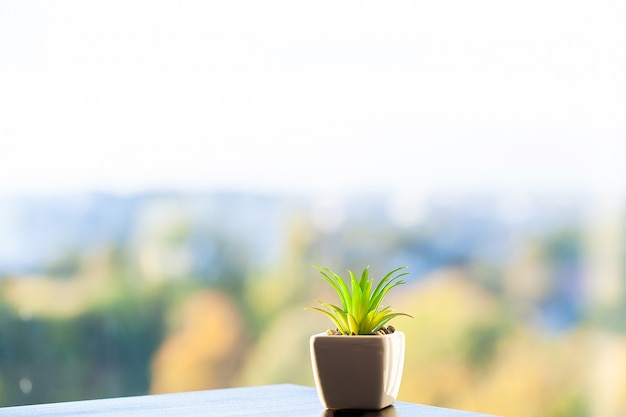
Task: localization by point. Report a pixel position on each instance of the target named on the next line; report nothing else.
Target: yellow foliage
(525, 373)
(282, 353)
(41, 296)
(205, 351)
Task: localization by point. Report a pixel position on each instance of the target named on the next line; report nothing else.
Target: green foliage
(361, 312)
(105, 351)
(481, 341)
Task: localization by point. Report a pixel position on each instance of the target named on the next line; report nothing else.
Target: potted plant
(359, 364)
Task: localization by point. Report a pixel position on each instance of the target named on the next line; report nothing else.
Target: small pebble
(382, 331)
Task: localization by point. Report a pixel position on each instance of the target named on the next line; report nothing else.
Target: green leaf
(353, 324)
(387, 277)
(338, 284)
(384, 286)
(375, 303)
(366, 324)
(386, 319)
(367, 292)
(364, 278)
(330, 316)
(339, 314)
(357, 295)
(366, 288)
(360, 313)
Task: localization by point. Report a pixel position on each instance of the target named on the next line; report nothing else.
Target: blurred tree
(467, 350)
(205, 351)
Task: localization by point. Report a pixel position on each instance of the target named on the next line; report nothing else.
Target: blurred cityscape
(518, 300)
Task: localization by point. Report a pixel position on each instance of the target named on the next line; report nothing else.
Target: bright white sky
(127, 95)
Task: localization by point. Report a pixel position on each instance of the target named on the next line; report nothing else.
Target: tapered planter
(357, 372)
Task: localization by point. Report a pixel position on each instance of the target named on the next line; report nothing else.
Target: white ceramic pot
(357, 372)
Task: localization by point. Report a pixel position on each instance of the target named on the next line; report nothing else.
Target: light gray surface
(283, 400)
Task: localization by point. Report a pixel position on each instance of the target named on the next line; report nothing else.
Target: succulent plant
(360, 312)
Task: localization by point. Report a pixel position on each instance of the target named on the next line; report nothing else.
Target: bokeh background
(171, 171)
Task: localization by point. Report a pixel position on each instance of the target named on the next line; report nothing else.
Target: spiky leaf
(360, 312)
